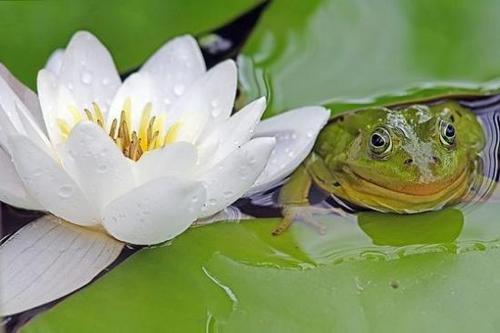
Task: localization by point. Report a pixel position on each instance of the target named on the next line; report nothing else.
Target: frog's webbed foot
(306, 214)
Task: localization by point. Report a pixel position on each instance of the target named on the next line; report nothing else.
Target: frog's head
(414, 152)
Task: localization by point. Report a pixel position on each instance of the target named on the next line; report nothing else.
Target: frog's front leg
(293, 195)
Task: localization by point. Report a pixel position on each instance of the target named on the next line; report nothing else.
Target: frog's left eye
(380, 142)
(447, 133)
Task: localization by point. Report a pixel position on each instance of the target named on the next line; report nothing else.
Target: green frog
(405, 159)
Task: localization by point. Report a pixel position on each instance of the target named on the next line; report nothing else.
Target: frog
(404, 159)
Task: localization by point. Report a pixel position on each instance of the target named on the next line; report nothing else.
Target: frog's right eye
(380, 142)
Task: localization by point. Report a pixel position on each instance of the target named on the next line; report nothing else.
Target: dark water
(470, 225)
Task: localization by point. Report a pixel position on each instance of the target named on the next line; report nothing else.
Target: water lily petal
(174, 67)
(89, 72)
(295, 132)
(173, 160)
(238, 129)
(16, 118)
(208, 102)
(228, 180)
(206, 150)
(25, 95)
(50, 185)
(48, 259)
(54, 63)
(154, 212)
(92, 158)
(55, 100)
(137, 90)
(12, 189)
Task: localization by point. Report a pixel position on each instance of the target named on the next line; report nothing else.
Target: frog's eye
(446, 133)
(380, 142)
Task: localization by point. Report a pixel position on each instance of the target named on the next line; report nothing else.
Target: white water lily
(144, 158)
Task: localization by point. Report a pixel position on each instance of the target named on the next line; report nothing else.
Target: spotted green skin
(420, 172)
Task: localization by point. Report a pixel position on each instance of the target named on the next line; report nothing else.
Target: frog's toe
(305, 214)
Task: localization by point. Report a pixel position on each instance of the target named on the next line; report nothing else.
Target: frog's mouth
(403, 198)
(416, 189)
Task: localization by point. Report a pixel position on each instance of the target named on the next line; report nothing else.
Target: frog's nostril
(409, 161)
(436, 159)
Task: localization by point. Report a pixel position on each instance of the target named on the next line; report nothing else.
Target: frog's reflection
(443, 226)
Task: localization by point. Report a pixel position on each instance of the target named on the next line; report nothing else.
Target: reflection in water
(443, 226)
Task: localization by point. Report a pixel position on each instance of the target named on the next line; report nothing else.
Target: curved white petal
(88, 71)
(54, 63)
(137, 90)
(12, 189)
(207, 149)
(227, 181)
(210, 100)
(174, 67)
(55, 100)
(295, 132)
(16, 118)
(50, 185)
(154, 212)
(238, 129)
(26, 96)
(177, 159)
(48, 259)
(92, 158)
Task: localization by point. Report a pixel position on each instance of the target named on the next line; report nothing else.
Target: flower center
(150, 134)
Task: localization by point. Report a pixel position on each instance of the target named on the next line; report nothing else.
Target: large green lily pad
(349, 54)
(234, 277)
(133, 30)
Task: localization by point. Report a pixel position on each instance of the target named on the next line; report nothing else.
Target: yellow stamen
(77, 116)
(98, 113)
(172, 133)
(89, 114)
(149, 135)
(63, 127)
(112, 130)
(153, 144)
(143, 125)
(127, 109)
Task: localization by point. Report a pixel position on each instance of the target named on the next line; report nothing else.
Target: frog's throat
(362, 192)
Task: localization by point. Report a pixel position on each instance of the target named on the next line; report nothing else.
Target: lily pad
(132, 30)
(236, 277)
(349, 54)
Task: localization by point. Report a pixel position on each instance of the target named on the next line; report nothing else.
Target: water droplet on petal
(309, 134)
(102, 168)
(215, 113)
(212, 202)
(105, 81)
(227, 194)
(178, 89)
(86, 78)
(166, 101)
(65, 191)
